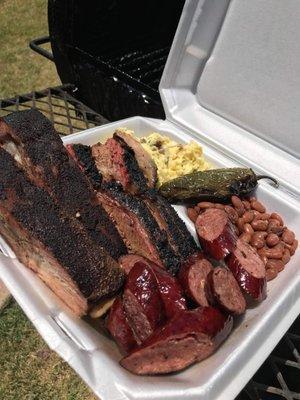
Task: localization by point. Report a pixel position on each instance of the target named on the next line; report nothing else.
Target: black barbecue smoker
(112, 54)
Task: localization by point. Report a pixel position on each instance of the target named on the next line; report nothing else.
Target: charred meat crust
(102, 230)
(37, 136)
(136, 175)
(115, 208)
(83, 155)
(156, 235)
(95, 272)
(130, 227)
(178, 234)
(48, 165)
(144, 160)
(179, 237)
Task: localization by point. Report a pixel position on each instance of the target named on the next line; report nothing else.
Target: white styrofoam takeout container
(199, 46)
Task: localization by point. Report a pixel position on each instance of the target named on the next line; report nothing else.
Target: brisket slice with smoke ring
(116, 161)
(144, 160)
(136, 174)
(137, 226)
(55, 247)
(34, 143)
(166, 216)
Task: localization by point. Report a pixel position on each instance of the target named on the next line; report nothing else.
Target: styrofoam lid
(232, 77)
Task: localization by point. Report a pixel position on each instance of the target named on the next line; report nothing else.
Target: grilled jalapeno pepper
(214, 185)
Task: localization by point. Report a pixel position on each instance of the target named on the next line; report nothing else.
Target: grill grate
(66, 113)
(146, 66)
(279, 377)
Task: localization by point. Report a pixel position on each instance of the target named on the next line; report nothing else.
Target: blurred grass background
(22, 70)
(28, 369)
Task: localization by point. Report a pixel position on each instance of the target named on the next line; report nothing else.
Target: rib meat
(34, 143)
(82, 154)
(53, 246)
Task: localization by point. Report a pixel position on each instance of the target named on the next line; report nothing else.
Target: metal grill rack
(59, 105)
(279, 377)
(145, 66)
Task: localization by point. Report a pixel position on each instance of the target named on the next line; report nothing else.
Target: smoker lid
(233, 76)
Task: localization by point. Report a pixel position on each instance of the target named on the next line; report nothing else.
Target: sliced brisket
(167, 219)
(55, 247)
(116, 161)
(137, 226)
(144, 160)
(166, 216)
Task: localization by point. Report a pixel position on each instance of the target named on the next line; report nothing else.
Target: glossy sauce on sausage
(189, 337)
(193, 278)
(216, 233)
(142, 302)
(249, 270)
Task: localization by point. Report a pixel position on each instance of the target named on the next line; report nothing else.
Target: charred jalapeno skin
(216, 185)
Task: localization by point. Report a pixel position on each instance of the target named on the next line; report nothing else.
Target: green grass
(21, 69)
(28, 369)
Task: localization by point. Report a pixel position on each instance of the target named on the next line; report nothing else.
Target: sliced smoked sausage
(216, 233)
(193, 278)
(119, 328)
(249, 270)
(225, 291)
(189, 337)
(170, 290)
(142, 302)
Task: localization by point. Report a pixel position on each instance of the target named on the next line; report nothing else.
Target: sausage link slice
(169, 289)
(142, 302)
(171, 292)
(189, 337)
(119, 328)
(216, 233)
(193, 278)
(249, 270)
(226, 291)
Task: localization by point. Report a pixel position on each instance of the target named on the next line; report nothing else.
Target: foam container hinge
(95, 357)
